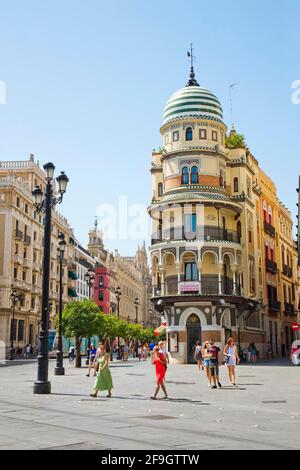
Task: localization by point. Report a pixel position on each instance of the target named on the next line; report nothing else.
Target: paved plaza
(263, 412)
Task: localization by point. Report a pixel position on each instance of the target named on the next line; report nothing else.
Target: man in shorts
(214, 363)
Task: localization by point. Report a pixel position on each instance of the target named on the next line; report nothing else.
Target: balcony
(209, 285)
(202, 233)
(271, 266)
(269, 229)
(274, 305)
(287, 271)
(27, 239)
(19, 234)
(289, 309)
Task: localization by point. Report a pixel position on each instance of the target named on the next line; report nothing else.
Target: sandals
(93, 395)
(153, 398)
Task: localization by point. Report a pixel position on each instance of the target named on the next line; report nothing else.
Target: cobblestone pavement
(263, 412)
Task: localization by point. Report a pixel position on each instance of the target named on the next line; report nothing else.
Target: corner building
(206, 248)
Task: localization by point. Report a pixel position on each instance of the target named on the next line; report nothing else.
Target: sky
(86, 84)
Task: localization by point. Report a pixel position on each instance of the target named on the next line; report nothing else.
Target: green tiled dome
(193, 101)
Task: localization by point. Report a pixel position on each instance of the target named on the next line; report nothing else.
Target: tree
(81, 319)
(235, 141)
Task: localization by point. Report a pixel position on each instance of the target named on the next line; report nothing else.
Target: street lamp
(59, 369)
(15, 298)
(44, 202)
(136, 304)
(118, 295)
(90, 278)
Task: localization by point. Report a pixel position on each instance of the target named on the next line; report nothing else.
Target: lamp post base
(59, 371)
(42, 388)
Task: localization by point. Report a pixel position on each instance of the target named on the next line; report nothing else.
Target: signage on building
(295, 326)
(191, 286)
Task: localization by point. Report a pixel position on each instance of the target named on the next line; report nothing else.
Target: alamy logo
(2, 92)
(296, 93)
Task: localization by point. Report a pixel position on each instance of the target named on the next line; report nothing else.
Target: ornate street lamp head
(38, 196)
(49, 170)
(62, 245)
(62, 180)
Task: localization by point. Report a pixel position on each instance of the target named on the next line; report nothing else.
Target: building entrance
(193, 326)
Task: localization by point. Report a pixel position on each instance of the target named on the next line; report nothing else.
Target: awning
(72, 275)
(72, 293)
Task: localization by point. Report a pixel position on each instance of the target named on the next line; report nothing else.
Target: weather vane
(191, 55)
(96, 222)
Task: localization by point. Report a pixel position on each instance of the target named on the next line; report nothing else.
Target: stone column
(162, 277)
(199, 274)
(178, 270)
(220, 269)
(234, 269)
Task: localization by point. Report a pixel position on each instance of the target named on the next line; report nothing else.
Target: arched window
(194, 175)
(189, 133)
(236, 185)
(282, 256)
(185, 175)
(160, 189)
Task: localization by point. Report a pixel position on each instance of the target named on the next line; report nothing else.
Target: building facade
(211, 271)
(21, 253)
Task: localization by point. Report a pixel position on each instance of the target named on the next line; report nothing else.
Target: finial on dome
(192, 81)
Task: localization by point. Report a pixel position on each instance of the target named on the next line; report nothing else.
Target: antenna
(231, 86)
(96, 222)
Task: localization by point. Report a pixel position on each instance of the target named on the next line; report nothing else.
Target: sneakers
(214, 386)
(219, 385)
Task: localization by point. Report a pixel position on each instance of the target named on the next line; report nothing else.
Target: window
(189, 133)
(190, 225)
(21, 330)
(32, 303)
(160, 189)
(202, 134)
(101, 296)
(250, 236)
(101, 281)
(194, 175)
(239, 229)
(26, 208)
(16, 249)
(185, 175)
(166, 138)
(236, 185)
(214, 136)
(34, 236)
(15, 273)
(191, 272)
(175, 136)
(24, 275)
(18, 202)
(25, 254)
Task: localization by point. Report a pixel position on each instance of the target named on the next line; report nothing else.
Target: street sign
(295, 326)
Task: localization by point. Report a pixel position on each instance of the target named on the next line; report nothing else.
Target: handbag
(226, 358)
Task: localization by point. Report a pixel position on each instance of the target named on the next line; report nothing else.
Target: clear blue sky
(87, 83)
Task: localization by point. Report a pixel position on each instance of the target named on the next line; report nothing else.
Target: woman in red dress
(160, 362)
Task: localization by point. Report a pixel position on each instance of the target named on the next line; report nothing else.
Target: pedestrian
(253, 352)
(145, 352)
(162, 350)
(140, 351)
(232, 358)
(198, 355)
(92, 356)
(125, 351)
(104, 379)
(206, 360)
(27, 351)
(215, 361)
(71, 353)
(160, 362)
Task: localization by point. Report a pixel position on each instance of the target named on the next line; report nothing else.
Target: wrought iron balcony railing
(269, 229)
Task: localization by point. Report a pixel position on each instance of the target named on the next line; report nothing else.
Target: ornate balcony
(274, 305)
(269, 229)
(202, 233)
(271, 266)
(289, 309)
(19, 234)
(27, 239)
(209, 285)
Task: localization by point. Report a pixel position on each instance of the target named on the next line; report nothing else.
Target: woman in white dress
(230, 351)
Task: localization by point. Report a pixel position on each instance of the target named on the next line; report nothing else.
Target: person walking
(104, 379)
(145, 352)
(125, 352)
(198, 355)
(253, 352)
(215, 361)
(139, 351)
(232, 358)
(92, 356)
(160, 362)
(206, 360)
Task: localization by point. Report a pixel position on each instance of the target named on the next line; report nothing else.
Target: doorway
(193, 326)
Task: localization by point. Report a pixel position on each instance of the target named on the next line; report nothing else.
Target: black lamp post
(59, 369)
(15, 298)
(89, 277)
(118, 295)
(45, 202)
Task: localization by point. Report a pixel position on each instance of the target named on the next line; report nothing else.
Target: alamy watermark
(2, 92)
(296, 94)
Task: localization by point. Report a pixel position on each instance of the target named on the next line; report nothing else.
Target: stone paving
(263, 412)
